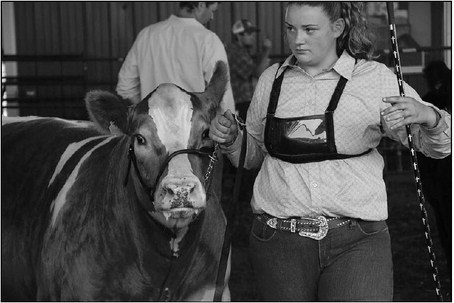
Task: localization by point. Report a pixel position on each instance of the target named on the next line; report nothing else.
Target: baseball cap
(242, 26)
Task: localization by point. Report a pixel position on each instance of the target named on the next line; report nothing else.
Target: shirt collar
(186, 20)
(343, 66)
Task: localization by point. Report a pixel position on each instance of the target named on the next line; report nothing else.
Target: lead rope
(223, 260)
(213, 159)
(425, 219)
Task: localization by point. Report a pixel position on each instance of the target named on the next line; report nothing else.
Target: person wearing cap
(244, 72)
(179, 50)
(244, 68)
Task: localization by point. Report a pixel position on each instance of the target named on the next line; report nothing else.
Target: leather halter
(210, 152)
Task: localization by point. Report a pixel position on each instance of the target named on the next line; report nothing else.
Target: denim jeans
(352, 263)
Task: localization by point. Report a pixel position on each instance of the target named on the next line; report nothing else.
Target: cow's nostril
(191, 187)
(170, 189)
(179, 189)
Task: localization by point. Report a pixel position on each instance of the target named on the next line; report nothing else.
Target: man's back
(177, 50)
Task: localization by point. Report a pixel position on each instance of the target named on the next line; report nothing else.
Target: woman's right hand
(224, 129)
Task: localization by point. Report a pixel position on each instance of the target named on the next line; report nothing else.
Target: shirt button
(314, 184)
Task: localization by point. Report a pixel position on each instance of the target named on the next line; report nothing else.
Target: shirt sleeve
(255, 124)
(214, 51)
(128, 85)
(434, 142)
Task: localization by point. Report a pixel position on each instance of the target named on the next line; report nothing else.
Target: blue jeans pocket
(370, 228)
(261, 231)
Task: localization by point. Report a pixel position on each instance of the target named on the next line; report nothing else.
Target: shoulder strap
(276, 91)
(337, 94)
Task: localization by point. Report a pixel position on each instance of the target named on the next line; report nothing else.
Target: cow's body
(72, 229)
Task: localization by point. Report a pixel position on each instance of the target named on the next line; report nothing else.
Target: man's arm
(263, 60)
(215, 51)
(128, 85)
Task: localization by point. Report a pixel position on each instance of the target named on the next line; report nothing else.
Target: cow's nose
(181, 192)
(180, 189)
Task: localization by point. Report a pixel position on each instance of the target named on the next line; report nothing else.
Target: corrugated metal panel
(270, 22)
(98, 42)
(48, 41)
(145, 13)
(72, 37)
(245, 10)
(47, 28)
(25, 29)
(166, 9)
(121, 27)
(26, 38)
(72, 28)
(222, 21)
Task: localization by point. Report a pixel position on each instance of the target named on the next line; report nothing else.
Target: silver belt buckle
(322, 224)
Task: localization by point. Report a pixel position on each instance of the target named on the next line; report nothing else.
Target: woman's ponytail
(356, 39)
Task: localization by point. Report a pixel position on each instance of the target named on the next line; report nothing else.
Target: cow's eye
(206, 134)
(140, 140)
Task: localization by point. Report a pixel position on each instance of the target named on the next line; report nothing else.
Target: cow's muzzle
(181, 196)
(209, 152)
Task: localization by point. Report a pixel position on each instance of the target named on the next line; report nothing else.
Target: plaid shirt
(241, 70)
(351, 187)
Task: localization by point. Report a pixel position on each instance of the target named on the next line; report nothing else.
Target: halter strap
(150, 190)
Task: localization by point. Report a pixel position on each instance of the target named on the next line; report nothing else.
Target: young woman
(313, 127)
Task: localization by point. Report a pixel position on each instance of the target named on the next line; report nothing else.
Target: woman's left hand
(406, 110)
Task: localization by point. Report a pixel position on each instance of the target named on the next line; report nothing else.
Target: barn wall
(77, 46)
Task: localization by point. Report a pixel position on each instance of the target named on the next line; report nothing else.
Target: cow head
(168, 120)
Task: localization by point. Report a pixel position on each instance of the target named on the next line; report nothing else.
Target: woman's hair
(356, 38)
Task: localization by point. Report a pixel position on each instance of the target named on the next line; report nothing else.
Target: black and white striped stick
(425, 220)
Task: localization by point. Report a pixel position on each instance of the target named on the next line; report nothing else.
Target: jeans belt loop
(293, 225)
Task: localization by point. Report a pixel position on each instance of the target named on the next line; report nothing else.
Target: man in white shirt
(178, 50)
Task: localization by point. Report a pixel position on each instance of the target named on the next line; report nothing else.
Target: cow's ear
(216, 88)
(108, 111)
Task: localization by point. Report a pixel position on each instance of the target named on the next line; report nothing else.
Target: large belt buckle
(322, 224)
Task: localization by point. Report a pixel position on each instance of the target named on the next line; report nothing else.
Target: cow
(116, 208)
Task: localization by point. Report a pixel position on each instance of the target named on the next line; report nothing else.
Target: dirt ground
(413, 280)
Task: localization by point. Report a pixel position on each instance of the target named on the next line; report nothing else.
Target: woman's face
(312, 36)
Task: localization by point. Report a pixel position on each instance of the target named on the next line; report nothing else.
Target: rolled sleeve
(215, 51)
(433, 142)
(436, 142)
(128, 85)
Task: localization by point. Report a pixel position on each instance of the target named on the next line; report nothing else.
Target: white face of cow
(169, 120)
(179, 196)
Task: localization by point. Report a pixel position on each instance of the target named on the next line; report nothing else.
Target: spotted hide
(97, 210)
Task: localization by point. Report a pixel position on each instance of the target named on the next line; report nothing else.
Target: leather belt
(313, 227)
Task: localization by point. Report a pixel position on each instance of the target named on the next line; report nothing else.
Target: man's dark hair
(190, 5)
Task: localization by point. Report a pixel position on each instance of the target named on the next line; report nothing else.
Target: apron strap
(337, 94)
(275, 92)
